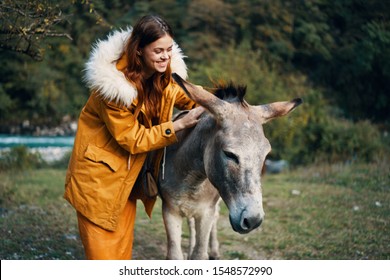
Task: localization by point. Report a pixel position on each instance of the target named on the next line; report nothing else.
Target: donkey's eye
(231, 156)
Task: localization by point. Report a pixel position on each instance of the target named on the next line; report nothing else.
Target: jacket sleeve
(182, 101)
(130, 134)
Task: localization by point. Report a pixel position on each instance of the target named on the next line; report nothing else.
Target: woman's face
(157, 55)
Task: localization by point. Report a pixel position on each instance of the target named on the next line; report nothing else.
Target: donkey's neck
(188, 153)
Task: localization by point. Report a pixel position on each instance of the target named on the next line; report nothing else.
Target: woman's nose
(165, 55)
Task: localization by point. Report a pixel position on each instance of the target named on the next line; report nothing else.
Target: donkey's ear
(201, 96)
(196, 93)
(270, 111)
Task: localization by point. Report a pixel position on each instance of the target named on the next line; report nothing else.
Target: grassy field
(326, 212)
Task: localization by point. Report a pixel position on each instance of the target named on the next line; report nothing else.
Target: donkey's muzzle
(246, 222)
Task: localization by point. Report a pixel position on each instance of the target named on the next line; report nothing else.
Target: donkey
(221, 157)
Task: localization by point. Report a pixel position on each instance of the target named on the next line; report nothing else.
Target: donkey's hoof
(214, 258)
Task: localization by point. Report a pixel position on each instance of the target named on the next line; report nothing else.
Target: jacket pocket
(99, 155)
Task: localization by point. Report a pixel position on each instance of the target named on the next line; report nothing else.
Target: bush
(20, 158)
(343, 140)
(314, 132)
(63, 162)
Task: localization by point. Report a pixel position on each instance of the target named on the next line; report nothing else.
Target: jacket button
(168, 131)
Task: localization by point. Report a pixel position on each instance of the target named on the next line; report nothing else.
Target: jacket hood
(102, 75)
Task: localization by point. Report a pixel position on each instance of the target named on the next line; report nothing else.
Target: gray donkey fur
(221, 157)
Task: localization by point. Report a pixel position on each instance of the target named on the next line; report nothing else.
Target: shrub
(315, 131)
(344, 140)
(63, 162)
(20, 158)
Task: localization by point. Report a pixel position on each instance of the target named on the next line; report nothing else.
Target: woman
(127, 115)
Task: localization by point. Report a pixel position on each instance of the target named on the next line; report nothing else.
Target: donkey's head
(235, 152)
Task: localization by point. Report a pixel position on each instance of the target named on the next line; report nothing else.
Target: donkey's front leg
(214, 244)
(192, 232)
(173, 227)
(203, 226)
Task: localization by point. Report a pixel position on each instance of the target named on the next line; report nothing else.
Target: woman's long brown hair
(147, 30)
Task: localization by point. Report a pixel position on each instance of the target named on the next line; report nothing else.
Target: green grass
(36, 222)
(323, 212)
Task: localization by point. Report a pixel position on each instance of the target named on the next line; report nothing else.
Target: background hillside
(334, 54)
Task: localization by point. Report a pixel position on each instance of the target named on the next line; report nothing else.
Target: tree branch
(24, 25)
(36, 55)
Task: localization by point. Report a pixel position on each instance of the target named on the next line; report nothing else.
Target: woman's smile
(157, 55)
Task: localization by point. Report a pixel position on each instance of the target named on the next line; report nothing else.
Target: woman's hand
(189, 120)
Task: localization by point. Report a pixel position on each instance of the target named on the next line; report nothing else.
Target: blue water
(8, 141)
(50, 148)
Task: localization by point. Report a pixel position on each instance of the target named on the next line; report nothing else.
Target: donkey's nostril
(245, 224)
(249, 223)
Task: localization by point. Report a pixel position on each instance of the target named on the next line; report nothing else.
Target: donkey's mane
(230, 92)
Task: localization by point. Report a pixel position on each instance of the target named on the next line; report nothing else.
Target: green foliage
(313, 131)
(343, 140)
(19, 158)
(335, 140)
(344, 46)
(333, 54)
(5, 102)
(25, 24)
(62, 163)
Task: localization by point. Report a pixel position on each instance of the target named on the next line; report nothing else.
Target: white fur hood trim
(102, 75)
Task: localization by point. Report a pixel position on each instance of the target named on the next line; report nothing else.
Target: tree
(41, 74)
(344, 46)
(24, 25)
(211, 28)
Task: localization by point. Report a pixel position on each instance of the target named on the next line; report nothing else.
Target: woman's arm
(135, 137)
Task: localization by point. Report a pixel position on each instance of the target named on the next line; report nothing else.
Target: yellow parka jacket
(111, 145)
